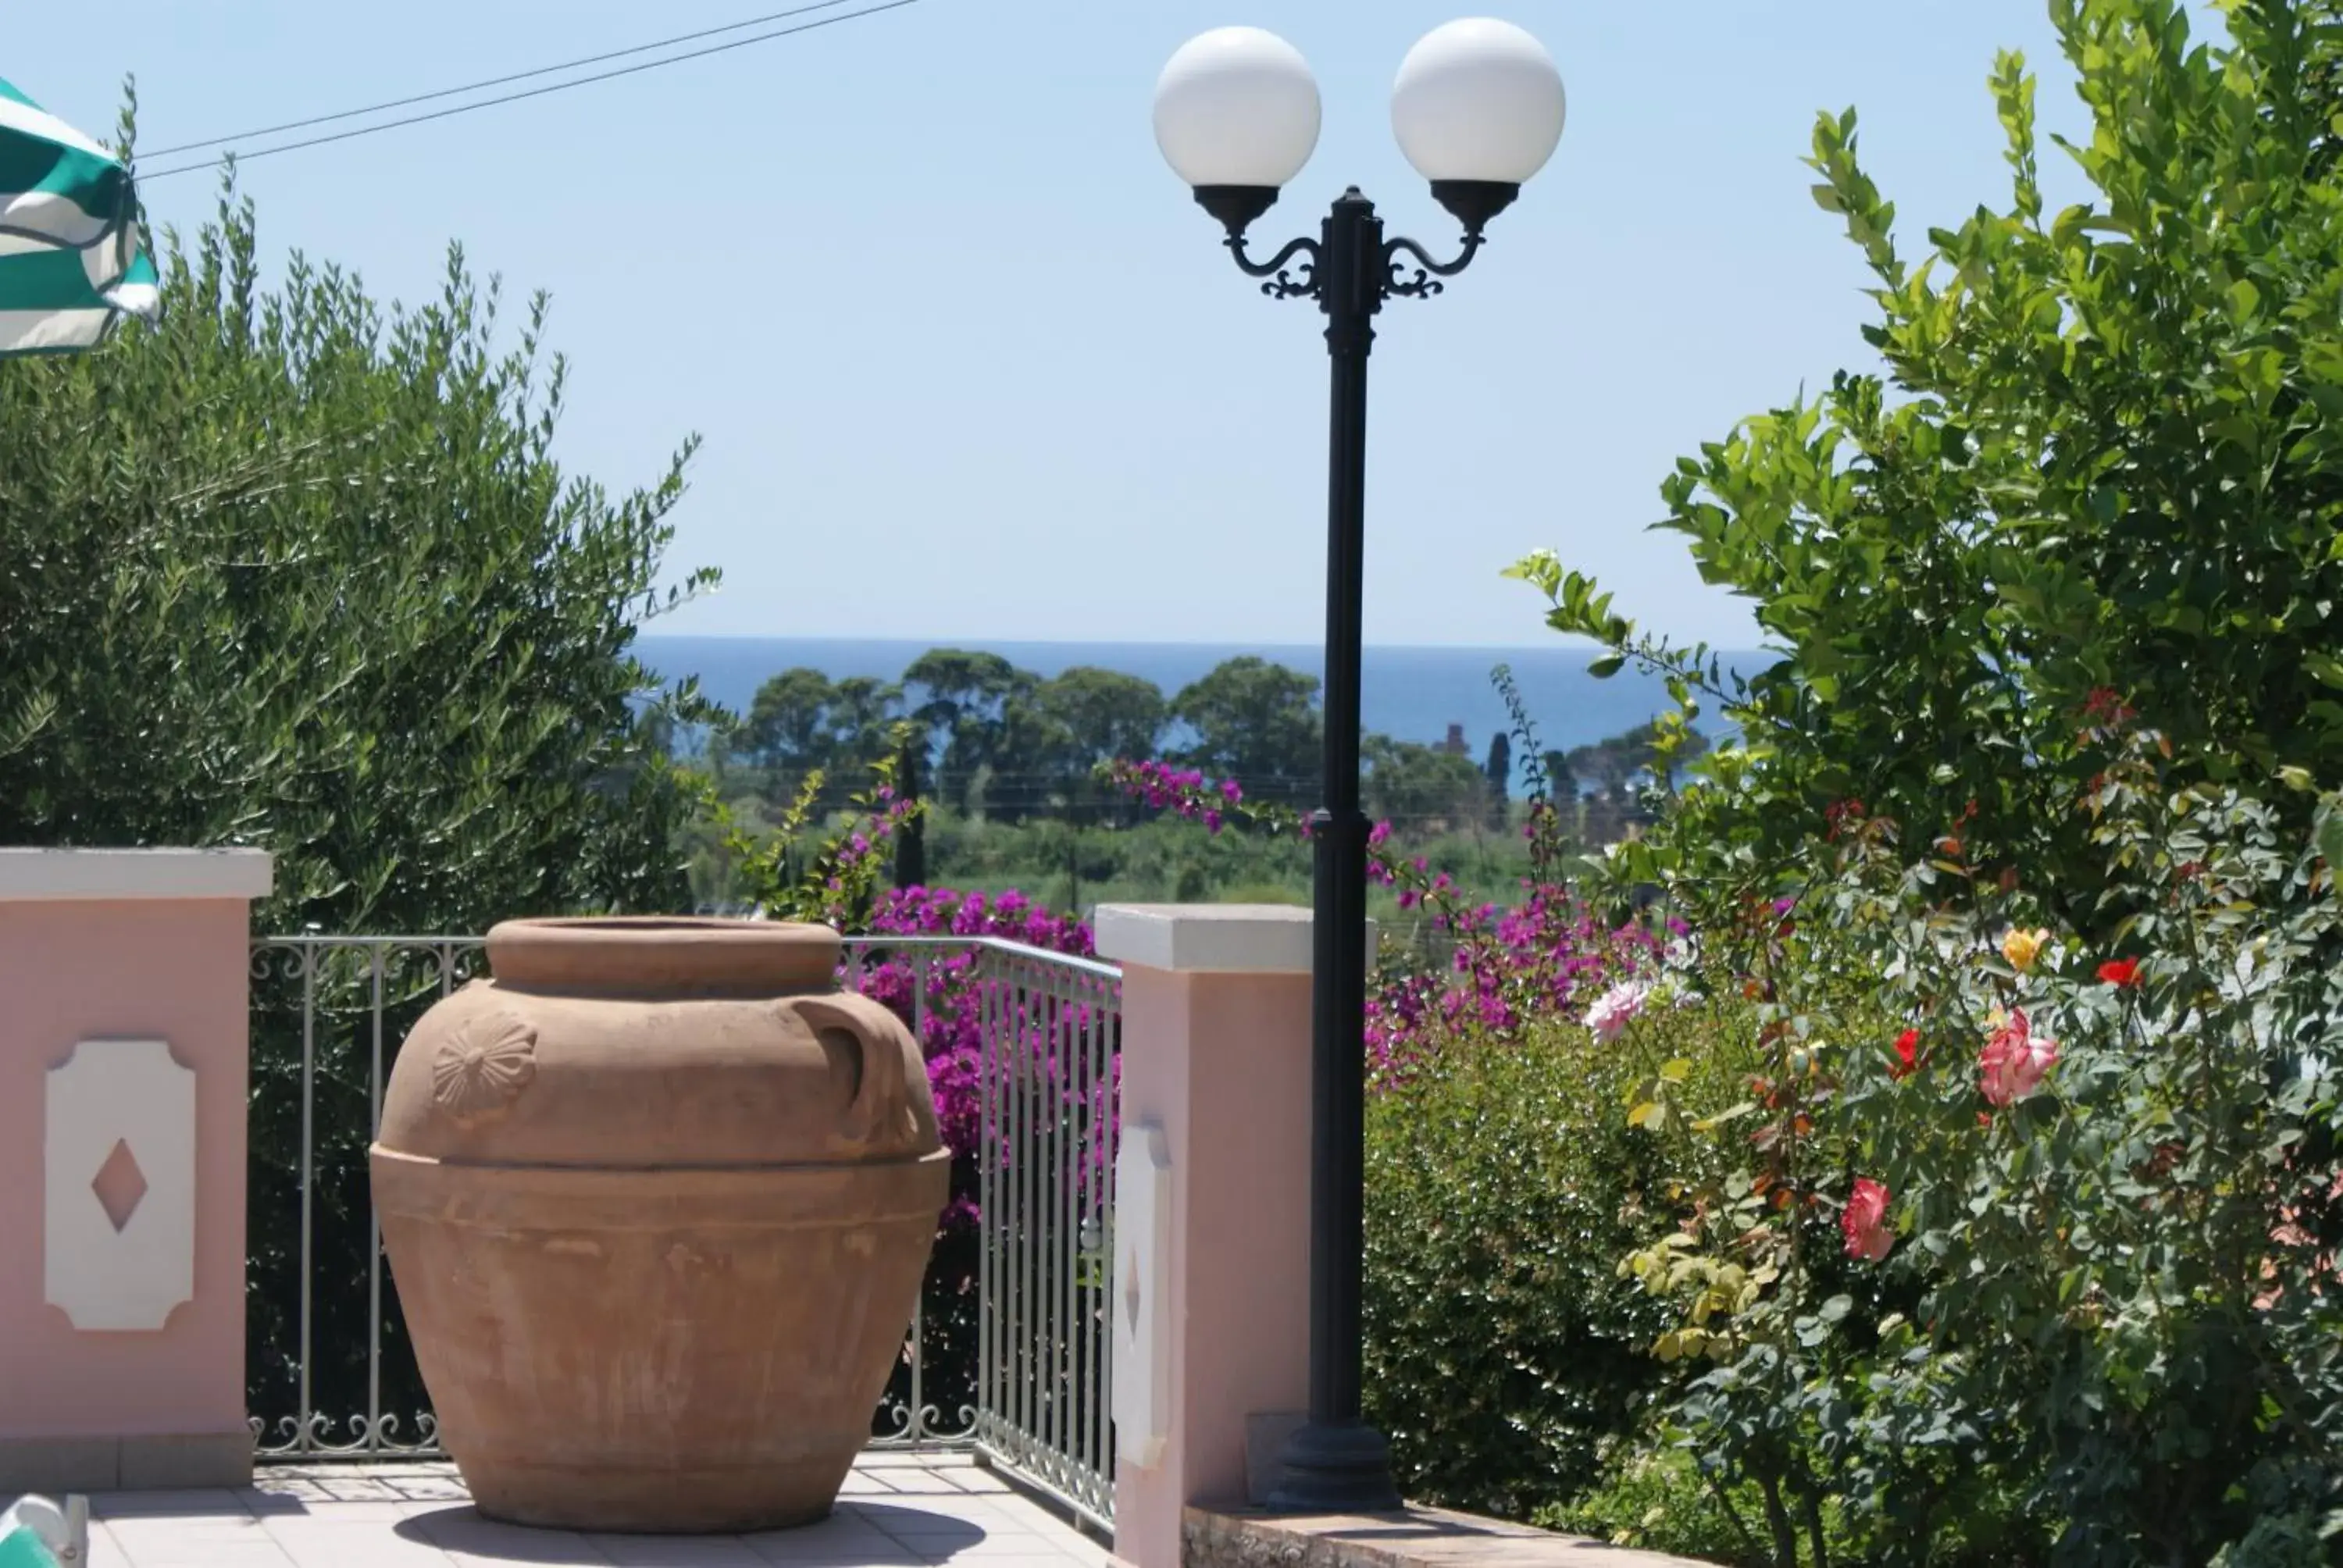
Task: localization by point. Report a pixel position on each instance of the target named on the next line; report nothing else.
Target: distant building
(1455, 745)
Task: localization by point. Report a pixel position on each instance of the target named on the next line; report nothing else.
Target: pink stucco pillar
(1212, 1203)
(124, 1070)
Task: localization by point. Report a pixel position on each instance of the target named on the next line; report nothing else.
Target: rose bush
(2082, 1305)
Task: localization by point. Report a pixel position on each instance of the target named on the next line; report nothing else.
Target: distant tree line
(1600, 786)
(994, 741)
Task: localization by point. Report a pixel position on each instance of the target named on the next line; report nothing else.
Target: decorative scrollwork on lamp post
(1284, 284)
(1478, 109)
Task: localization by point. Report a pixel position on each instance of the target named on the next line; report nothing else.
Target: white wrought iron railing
(1009, 1353)
(1051, 1075)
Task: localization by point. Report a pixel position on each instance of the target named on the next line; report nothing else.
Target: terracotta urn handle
(887, 1116)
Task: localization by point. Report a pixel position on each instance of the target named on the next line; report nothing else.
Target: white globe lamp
(1236, 116)
(1478, 109)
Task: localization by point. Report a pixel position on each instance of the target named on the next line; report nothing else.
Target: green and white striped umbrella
(73, 260)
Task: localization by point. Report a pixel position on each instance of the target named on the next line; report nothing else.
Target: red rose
(1865, 1222)
(2121, 971)
(1907, 1054)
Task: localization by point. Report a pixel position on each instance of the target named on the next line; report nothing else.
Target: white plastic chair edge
(49, 1522)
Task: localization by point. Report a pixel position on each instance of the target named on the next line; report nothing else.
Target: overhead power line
(868, 10)
(389, 104)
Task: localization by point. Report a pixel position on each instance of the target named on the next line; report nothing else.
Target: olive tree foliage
(2102, 472)
(294, 570)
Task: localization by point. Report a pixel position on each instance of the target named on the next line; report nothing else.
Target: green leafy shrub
(1655, 1499)
(1503, 1185)
(828, 871)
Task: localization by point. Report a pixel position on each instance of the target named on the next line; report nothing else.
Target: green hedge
(1504, 1186)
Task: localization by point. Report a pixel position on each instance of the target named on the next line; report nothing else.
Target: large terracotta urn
(658, 1202)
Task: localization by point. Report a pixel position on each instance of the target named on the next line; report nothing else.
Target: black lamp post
(1478, 109)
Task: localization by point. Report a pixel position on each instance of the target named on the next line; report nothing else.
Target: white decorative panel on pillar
(119, 1199)
(1142, 1320)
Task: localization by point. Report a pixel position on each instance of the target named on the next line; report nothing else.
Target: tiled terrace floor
(897, 1510)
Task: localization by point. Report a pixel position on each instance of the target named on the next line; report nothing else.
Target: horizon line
(1560, 644)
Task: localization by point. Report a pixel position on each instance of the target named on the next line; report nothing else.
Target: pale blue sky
(970, 365)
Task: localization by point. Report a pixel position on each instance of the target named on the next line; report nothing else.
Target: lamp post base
(1334, 1469)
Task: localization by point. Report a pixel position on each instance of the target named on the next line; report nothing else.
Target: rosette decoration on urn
(658, 1202)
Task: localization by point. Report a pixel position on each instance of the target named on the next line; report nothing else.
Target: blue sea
(1417, 694)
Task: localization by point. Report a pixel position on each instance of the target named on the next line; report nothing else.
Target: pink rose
(1615, 1008)
(2014, 1061)
(1866, 1221)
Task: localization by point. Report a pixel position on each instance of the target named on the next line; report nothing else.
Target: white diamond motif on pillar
(118, 1199)
(1142, 1368)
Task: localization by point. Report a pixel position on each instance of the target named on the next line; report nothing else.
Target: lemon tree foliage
(2103, 467)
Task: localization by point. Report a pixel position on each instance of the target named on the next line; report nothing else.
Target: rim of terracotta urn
(697, 955)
